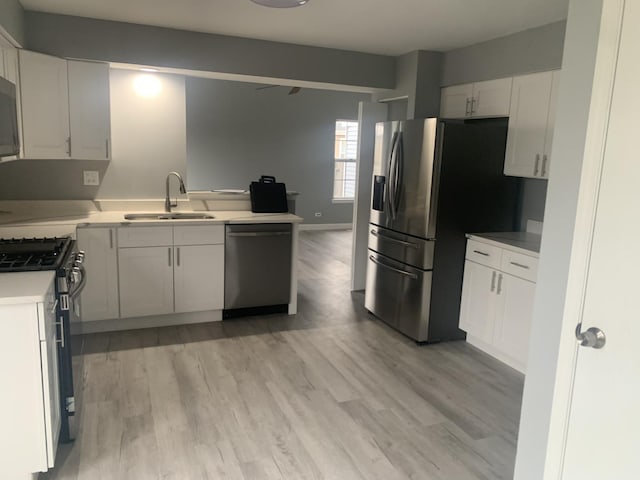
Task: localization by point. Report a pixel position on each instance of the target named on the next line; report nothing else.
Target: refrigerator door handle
(390, 173)
(397, 176)
(413, 276)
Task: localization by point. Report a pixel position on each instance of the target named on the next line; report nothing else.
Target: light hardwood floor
(331, 393)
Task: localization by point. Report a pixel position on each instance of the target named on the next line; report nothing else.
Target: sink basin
(167, 216)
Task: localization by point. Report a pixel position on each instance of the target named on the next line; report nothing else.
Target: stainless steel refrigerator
(433, 181)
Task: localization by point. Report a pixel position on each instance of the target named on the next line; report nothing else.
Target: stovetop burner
(26, 254)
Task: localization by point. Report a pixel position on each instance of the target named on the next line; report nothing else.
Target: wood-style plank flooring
(330, 393)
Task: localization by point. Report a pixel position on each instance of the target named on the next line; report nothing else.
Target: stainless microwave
(9, 139)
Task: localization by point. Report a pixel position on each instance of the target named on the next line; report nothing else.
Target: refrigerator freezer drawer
(399, 295)
(413, 251)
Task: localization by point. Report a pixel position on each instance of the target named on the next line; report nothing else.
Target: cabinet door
(50, 380)
(89, 117)
(477, 308)
(145, 280)
(45, 105)
(455, 102)
(513, 320)
(551, 120)
(11, 64)
(528, 116)
(491, 98)
(99, 299)
(199, 278)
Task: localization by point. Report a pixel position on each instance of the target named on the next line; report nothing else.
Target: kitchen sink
(168, 216)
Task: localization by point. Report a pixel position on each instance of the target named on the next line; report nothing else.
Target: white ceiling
(391, 27)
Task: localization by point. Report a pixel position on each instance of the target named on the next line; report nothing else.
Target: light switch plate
(91, 177)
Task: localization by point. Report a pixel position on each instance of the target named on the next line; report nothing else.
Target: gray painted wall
(86, 38)
(236, 133)
(535, 50)
(12, 19)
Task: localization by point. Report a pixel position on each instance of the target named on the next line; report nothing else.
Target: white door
(99, 299)
(455, 102)
(478, 305)
(146, 281)
(491, 98)
(603, 440)
(199, 278)
(528, 115)
(89, 117)
(45, 105)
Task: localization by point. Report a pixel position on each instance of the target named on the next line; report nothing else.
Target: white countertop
(24, 287)
(523, 242)
(116, 218)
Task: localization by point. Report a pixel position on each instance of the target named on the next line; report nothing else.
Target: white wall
(148, 136)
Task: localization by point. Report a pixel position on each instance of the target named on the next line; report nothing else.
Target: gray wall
(236, 133)
(85, 38)
(534, 50)
(12, 19)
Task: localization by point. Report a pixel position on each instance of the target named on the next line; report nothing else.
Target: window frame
(344, 161)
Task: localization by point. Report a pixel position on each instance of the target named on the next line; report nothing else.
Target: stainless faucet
(167, 201)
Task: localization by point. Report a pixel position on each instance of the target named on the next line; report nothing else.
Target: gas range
(31, 254)
(58, 254)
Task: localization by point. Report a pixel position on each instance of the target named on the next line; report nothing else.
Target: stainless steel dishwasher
(257, 271)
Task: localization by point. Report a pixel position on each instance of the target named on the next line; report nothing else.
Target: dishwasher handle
(257, 234)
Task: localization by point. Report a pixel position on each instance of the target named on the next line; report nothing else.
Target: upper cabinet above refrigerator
(531, 121)
(477, 100)
(65, 108)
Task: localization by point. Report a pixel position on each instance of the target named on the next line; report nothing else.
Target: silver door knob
(593, 337)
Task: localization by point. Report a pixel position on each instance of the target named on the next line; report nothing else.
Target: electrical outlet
(318, 214)
(91, 177)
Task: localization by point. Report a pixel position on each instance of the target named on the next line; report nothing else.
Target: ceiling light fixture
(147, 69)
(280, 3)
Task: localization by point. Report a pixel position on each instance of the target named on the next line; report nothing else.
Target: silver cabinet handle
(544, 165)
(111, 238)
(169, 257)
(481, 253)
(376, 233)
(106, 148)
(396, 270)
(466, 108)
(592, 337)
(178, 257)
(535, 168)
(499, 290)
(473, 101)
(61, 339)
(257, 234)
(69, 146)
(516, 264)
(493, 281)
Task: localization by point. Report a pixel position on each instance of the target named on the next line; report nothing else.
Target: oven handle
(83, 280)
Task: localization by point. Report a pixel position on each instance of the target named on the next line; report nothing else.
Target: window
(346, 149)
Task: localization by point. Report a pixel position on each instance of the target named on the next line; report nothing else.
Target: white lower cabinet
(199, 278)
(30, 403)
(496, 306)
(100, 298)
(146, 281)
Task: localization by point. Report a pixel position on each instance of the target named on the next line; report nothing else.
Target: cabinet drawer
(519, 265)
(198, 235)
(145, 236)
(483, 253)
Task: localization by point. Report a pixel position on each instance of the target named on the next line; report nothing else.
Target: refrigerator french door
(433, 182)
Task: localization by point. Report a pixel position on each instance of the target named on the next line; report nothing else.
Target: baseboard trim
(326, 226)
(151, 321)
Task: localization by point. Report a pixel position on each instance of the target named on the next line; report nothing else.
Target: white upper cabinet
(10, 64)
(531, 120)
(477, 100)
(45, 105)
(89, 114)
(65, 108)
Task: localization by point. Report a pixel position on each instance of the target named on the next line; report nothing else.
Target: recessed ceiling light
(280, 3)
